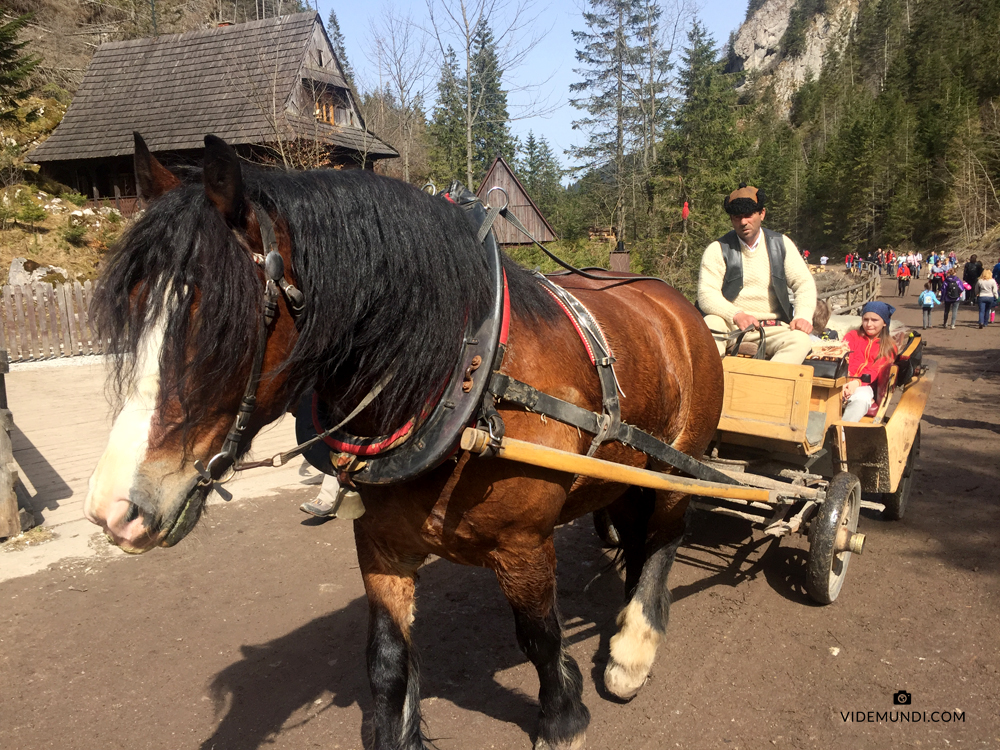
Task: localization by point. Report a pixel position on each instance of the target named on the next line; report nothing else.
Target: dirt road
(251, 632)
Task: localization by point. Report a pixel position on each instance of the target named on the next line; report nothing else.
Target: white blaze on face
(113, 478)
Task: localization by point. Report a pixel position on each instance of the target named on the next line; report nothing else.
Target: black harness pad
(438, 435)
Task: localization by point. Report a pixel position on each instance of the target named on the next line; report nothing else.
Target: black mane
(390, 276)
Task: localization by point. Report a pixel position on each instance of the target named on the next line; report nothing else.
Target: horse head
(181, 304)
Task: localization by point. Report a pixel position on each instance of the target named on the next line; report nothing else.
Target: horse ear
(223, 180)
(152, 178)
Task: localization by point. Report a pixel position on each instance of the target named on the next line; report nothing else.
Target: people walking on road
(986, 294)
(973, 270)
(848, 261)
(918, 258)
(951, 295)
(927, 301)
(936, 273)
(902, 279)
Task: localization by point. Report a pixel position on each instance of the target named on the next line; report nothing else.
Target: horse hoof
(622, 682)
(577, 743)
(633, 649)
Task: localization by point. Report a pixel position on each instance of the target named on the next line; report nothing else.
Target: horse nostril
(132, 513)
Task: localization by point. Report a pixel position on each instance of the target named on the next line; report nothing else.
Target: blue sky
(554, 57)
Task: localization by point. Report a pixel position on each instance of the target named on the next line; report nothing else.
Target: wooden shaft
(550, 458)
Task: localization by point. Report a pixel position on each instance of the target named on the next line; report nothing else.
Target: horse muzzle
(151, 513)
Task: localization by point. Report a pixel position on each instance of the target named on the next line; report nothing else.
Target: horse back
(666, 361)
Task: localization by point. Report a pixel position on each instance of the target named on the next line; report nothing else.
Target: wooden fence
(44, 321)
(850, 300)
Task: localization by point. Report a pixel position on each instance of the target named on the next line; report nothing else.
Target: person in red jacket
(872, 354)
(903, 278)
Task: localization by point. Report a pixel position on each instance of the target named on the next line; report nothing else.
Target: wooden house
(270, 88)
(501, 175)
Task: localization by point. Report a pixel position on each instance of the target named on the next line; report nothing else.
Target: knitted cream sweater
(756, 297)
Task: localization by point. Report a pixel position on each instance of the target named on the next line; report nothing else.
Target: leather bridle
(274, 284)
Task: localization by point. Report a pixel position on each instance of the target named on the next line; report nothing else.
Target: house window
(332, 110)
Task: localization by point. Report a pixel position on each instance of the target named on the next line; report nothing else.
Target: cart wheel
(832, 538)
(895, 502)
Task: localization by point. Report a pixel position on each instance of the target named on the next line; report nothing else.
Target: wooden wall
(500, 175)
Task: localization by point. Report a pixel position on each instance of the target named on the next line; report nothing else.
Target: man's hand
(799, 324)
(744, 320)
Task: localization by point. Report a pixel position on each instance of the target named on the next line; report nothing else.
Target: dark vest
(732, 282)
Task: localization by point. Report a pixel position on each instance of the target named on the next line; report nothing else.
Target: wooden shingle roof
(175, 89)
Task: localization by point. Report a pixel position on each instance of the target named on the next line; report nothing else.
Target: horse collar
(389, 459)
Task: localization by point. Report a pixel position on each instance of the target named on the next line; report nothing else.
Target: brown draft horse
(390, 276)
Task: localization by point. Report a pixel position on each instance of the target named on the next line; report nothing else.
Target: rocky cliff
(760, 46)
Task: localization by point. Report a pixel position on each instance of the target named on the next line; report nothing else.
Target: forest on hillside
(895, 142)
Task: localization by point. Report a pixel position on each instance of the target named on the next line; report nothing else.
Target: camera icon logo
(901, 698)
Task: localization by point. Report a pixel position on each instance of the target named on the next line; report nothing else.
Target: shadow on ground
(465, 630)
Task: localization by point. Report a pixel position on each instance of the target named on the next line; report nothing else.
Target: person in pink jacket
(872, 354)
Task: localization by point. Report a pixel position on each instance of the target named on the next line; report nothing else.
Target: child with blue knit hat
(872, 354)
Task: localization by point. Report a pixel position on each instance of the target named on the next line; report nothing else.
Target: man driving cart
(745, 280)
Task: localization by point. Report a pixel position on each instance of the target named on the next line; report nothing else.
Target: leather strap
(506, 388)
(600, 357)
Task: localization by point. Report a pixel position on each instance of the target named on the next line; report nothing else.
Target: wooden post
(10, 523)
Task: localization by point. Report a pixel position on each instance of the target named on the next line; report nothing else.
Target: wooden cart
(783, 422)
(800, 469)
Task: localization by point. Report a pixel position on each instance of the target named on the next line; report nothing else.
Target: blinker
(274, 266)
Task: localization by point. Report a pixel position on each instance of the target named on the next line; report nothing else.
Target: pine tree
(538, 170)
(624, 68)
(490, 129)
(337, 42)
(15, 68)
(707, 150)
(606, 51)
(447, 128)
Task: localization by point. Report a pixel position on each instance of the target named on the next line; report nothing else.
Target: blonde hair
(986, 274)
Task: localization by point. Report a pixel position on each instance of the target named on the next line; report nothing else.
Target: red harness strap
(572, 319)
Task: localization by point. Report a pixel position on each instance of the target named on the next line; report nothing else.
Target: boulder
(23, 271)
